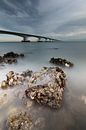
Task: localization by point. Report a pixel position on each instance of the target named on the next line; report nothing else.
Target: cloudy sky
(62, 19)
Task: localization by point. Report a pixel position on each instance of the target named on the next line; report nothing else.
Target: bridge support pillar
(25, 39)
(39, 39)
(47, 40)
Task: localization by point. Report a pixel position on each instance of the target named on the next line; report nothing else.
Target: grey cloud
(71, 25)
(6, 8)
(18, 13)
(13, 7)
(43, 16)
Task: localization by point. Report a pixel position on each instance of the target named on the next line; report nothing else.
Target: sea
(72, 114)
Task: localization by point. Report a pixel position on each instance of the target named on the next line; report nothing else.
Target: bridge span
(26, 36)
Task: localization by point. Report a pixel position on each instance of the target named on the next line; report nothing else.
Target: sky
(61, 19)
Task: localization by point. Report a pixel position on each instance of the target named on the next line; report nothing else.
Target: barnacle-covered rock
(47, 86)
(19, 121)
(10, 57)
(61, 62)
(27, 73)
(14, 79)
(10, 75)
(4, 84)
(10, 60)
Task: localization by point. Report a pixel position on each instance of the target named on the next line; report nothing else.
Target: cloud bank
(62, 19)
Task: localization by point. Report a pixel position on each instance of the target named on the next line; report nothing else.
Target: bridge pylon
(25, 39)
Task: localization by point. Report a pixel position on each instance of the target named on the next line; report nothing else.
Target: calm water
(72, 115)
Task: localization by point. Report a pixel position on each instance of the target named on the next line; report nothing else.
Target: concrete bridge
(26, 36)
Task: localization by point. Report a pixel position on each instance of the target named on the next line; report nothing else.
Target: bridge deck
(24, 35)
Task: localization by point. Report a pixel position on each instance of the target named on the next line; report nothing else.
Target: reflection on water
(72, 115)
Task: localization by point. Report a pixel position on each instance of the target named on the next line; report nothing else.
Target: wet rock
(13, 55)
(47, 86)
(19, 121)
(1, 59)
(27, 73)
(10, 75)
(61, 62)
(10, 60)
(21, 55)
(10, 57)
(4, 84)
(14, 79)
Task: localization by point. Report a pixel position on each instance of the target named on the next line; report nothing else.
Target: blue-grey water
(72, 115)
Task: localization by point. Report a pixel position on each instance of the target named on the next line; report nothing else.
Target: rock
(1, 59)
(4, 85)
(19, 121)
(10, 75)
(27, 73)
(10, 81)
(21, 55)
(13, 55)
(14, 79)
(10, 60)
(61, 62)
(46, 87)
(10, 57)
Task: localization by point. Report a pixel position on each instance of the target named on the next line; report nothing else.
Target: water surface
(72, 115)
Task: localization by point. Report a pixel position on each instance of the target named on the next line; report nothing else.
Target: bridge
(26, 36)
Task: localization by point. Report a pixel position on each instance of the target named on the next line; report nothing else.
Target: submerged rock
(3, 99)
(19, 121)
(61, 62)
(47, 86)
